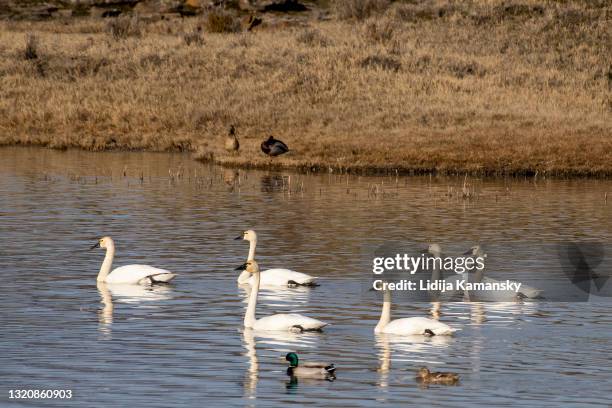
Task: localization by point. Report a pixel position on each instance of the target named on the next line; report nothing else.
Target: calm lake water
(183, 345)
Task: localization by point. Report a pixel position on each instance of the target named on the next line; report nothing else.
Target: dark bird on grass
(273, 147)
(231, 140)
(427, 376)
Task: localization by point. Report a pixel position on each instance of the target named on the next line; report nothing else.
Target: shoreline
(447, 88)
(361, 170)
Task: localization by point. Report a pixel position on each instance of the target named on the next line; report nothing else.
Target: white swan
(135, 274)
(272, 277)
(526, 291)
(278, 322)
(410, 325)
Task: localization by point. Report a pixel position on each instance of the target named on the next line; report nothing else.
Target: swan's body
(507, 295)
(288, 322)
(409, 326)
(143, 274)
(278, 322)
(278, 277)
(133, 274)
(416, 326)
(272, 277)
(525, 291)
(309, 369)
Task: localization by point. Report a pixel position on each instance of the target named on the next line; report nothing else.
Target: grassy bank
(482, 86)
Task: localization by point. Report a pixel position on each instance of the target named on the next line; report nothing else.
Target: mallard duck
(273, 147)
(231, 140)
(310, 369)
(427, 376)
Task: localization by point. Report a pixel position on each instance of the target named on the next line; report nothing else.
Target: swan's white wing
(282, 277)
(285, 322)
(417, 325)
(130, 293)
(494, 295)
(528, 291)
(136, 273)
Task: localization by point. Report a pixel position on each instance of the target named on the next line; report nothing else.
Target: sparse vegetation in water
(480, 87)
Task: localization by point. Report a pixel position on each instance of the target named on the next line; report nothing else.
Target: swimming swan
(409, 325)
(138, 274)
(526, 291)
(278, 322)
(272, 277)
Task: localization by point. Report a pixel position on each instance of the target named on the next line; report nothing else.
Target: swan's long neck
(479, 274)
(435, 272)
(385, 316)
(249, 316)
(252, 245)
(107, 264)
(244, 275)
(106, 315)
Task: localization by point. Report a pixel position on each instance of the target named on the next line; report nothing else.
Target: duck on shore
(231, 140)
(273, 147)
(426, 376)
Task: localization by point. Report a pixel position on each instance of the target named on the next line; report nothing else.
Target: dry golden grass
(486, 86)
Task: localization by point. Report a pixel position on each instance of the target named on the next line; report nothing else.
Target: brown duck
(427, 376)
(273, 147)
(231, 140)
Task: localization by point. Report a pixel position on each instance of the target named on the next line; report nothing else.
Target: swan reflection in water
(125, 293)
(252, 374)
(105, 316)
(415, 349)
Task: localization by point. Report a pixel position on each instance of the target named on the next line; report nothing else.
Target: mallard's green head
(292, 358)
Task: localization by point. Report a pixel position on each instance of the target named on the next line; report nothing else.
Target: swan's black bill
(237, 238)
(94, 246)
(241, 267)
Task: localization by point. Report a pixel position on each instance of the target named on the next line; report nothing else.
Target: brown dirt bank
(485, 87)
